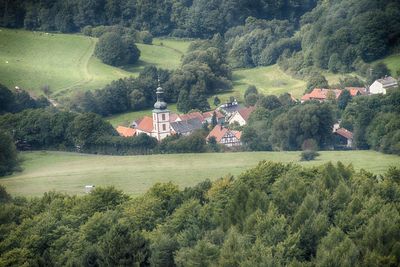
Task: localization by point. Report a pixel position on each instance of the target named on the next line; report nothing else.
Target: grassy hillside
(393, 63)
(70, 172)
(65, 62)
(268, 80)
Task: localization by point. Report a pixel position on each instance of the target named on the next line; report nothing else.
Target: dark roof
(187, 126)
(388, 81)
(231, 108)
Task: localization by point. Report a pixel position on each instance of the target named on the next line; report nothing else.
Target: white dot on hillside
(6, 62)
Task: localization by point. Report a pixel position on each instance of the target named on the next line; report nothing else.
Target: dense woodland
(272, 215)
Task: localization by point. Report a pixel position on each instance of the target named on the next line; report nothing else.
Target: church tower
(161, 126)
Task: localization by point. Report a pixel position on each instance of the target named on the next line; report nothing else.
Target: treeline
(301, 35)
(50, 128)
(203, 72)
(375, 121)
(272, 215)
(18, 100)
(342, 35)
(180, 18)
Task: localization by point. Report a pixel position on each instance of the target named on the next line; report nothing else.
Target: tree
(216, 101)
(378, 71)
(269, 102)
(114, 50)
(317, 80)
(6, 99)
(344, 99)
(8, 154)
(214, 120)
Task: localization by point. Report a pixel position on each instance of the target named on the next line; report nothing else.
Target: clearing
(70, 172)
(65, 62)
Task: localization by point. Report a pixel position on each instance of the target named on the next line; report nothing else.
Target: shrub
(308, 155)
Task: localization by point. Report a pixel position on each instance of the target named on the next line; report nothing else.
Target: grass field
(393, 63)
(70, 172)
(268, 80)
(65, 62)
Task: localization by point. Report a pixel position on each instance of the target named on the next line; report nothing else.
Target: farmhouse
(381, 86)
(241, 116)
(225, 136)
(321, 95)
(343, 137)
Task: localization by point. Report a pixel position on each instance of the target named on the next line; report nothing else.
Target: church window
(163, 126)
(163, 117)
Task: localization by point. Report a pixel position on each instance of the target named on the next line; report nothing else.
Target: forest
(272, 215)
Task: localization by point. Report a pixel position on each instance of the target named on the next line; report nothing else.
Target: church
(163, 123)
(158, 125)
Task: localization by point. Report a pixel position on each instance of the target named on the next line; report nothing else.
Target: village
(163, 123)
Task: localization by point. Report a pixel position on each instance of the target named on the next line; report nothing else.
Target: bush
(112, 49)
(308, 155)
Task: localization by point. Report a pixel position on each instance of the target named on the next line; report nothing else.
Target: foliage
(8, 154)
(316, 80)
(16, 101)
(273, 214)
(308, 155)
(112, 49)
(374, 121)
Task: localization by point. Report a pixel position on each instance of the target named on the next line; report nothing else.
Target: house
(381, 86)
(225, 136)
(356, 91)
(126, 131)
(321, 94)
(144, 125)
(229, 108)
(186, 127)
(241, 116)
(343, 137)
(207, 116)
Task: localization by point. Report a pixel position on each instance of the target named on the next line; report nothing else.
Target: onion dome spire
(160, 104)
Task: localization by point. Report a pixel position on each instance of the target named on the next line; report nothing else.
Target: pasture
(70, 172)
(268, 80)
(65, 62)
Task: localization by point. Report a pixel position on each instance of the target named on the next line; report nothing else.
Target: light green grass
(268, 80)
(393, 63)
(66, 63)
(125, 119)
(179, 45)
(70, 172)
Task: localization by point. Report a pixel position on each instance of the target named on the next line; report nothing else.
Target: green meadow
(65, 62)
(70, 172)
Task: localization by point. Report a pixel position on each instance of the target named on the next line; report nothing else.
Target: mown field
(70, 172)
(66, 63)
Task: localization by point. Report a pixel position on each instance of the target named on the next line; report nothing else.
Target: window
(163, 126)
(163, 117)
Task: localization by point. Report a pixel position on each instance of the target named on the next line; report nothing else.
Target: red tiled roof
(126, 131)
(238, 134)
(245, 112)
(354, 91)
(218, 132)
(145, 124)
(321, 94)
(345, 133)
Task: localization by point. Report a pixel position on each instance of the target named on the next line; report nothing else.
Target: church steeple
(160, 104)
(161, 125)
